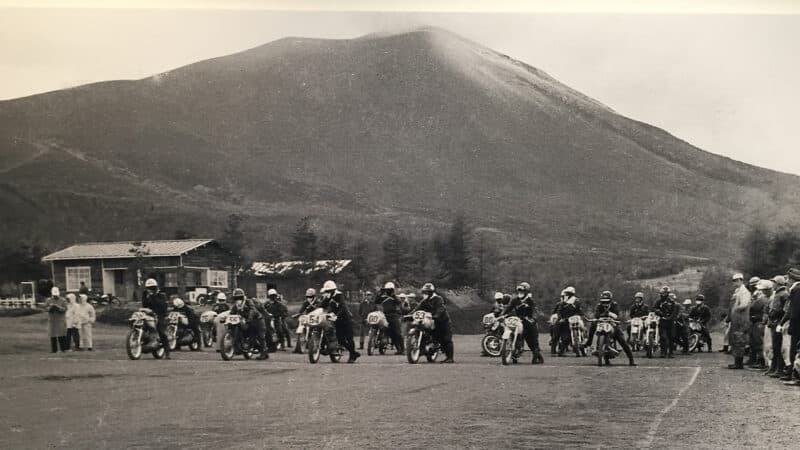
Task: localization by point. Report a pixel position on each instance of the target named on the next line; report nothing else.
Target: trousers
(86, 336)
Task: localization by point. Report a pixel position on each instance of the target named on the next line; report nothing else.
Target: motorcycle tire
(208, 339)
(228, 350)
(115, 302)
(412, 349)
(371, 341)
(133, 345)
(694, 341)
(314, 348)
(490, 345)
(431, 356)
(195, 345)
(601, 349)
(172, 338)
(335, 356)
(505, 352)
(159, 353)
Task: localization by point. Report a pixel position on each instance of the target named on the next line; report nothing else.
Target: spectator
(83, 290)
(56, 308)
(739, 334)
(366, 306)
(73, 323)
(791, 319)
(87, 317)
(758, 308)
(774, 316)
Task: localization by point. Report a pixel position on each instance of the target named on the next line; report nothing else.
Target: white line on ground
(651, 433)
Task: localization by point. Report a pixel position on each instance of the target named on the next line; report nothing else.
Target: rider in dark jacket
(156, 300)
(668, 310)
(608, 308)
(277, 308)
(333, 301)
(570, 306)
(392, 308)
(178, 305)
(253, 315)
(442, 330)
(702, 314)
(524, 307)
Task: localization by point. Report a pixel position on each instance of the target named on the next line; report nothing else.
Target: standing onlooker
(56, 308)
(774, 316)
(366, 306)
(740, 321)
(87, 317)
(792, 316)
(73, 323)
(758, 308)
(83, 290)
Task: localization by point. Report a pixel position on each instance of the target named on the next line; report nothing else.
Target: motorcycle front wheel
(159, 352)
(228, 350)
(505, 352)
(133, 344)
(172, 338)
(601, 349)
(371, 341)
(314, 348)
(412, 349)
(490, 344)
(694, 341)
(208, 339)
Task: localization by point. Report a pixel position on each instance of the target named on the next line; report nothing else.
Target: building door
(114, 282)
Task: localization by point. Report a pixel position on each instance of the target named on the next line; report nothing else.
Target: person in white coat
(87, 318)
(73, 323)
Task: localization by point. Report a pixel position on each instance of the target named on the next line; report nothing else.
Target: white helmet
(271, 292)
(221, 297)
(55, 292)
(569, 290)
(329, 286)
(688, 301)
(310, 292)
(388, 286)
(178, 303)
(498, 295)
(151, 282)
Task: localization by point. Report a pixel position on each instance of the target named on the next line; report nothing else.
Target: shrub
(115, 315)
(19, 312)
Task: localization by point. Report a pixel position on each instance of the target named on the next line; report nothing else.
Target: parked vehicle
(493, 339)
(179, 333)
(377, 338)
(142, 337)
(322, 336)
(419, 340)
(512, 345)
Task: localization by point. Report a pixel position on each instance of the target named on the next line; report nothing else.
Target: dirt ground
(103, 400)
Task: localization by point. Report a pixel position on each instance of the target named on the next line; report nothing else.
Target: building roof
(331, 266)
(113, 250)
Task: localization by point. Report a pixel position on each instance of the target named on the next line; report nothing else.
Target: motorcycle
(208, 328)
(236, 340)
(179, 333)
(419, 340)
(377, 338)
(652, 336)
(490, 344)
(604, 333)
(142, 336)
(321, 331)
(512, 346)
(577, 332)
(695, 336)
(301, 341)
(636, 335)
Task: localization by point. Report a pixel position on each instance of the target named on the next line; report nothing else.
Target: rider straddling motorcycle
(333, 301)
(442, 331)
(610, 309)
(254, 319)
(523, 306)
(565, 309)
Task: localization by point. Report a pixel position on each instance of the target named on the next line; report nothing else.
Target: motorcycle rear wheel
(490, 345)
(694, 341)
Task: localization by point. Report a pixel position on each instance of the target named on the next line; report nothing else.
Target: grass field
(103, 400)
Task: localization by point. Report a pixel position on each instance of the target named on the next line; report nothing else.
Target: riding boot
(737, 363)
(537, 357)
(448, 352)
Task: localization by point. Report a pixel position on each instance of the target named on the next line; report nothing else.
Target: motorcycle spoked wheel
(133, 344)
(412, 348)
(159, 353)
(505, 352)
(228, 350)
(208, 338)
(694, 341)
(195, 345)
(172, 338)
(432, 352)
(490, 344)
(314, 348)
(601, 350)
(371, 344)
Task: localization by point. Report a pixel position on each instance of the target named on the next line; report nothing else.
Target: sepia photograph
(274, 224)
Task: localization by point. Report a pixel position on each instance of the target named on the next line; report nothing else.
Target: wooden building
(186, 267)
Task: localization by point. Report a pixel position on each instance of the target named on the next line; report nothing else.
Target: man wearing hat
(667, 309)
(791, 318)
(740, 321)
(56, 307)
(702, 314)
(774, 316)
(758, 307)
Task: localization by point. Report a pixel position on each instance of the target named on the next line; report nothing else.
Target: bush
(115, 315)
(19, 312)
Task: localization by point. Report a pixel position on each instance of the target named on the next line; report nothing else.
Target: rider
(609, 308)
(442, 331)
(310, 303)
(524, 307)
(498, 306)
(194, 320)
(667, 309)
(221, 304)
(253, 315)
(279, 313)
(568, 307)
(702, 314)
(156, 300)
(333, 301)
(392, 309)
(681, 326)
(638, 309)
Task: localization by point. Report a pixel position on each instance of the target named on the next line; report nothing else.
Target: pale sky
(725, 83)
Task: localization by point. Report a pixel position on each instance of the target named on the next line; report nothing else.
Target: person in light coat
(56, 308)
(73, 323)
(740, 321)
(86, 315)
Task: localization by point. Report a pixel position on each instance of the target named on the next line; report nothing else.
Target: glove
(779, 329)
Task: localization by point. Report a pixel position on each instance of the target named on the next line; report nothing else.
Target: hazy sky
(726, 83)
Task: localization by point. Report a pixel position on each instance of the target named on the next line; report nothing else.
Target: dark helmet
(238, 293)
(606, 296)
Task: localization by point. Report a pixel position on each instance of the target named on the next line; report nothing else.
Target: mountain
(361, 133)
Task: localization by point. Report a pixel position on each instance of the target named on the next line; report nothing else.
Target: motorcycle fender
(506, 333)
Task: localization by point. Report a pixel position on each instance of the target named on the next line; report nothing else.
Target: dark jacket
(336, 304)
(434, 305)
(701, 313)
(523, 308)
(566, 310)
(364, 308)
(667, 308)
(187, 311)
(220, 307)
(390, 304)
(758, 308)
(278, 309)
(309, 306)
(602, 310)
(249, 311)
(156, 301)
(792, 310)
(776, 306)
(639, 310)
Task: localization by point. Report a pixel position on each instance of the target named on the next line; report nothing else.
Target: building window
(77, 274)
(218, 279)
(261, 290)
(192, 278)
(171, 279)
